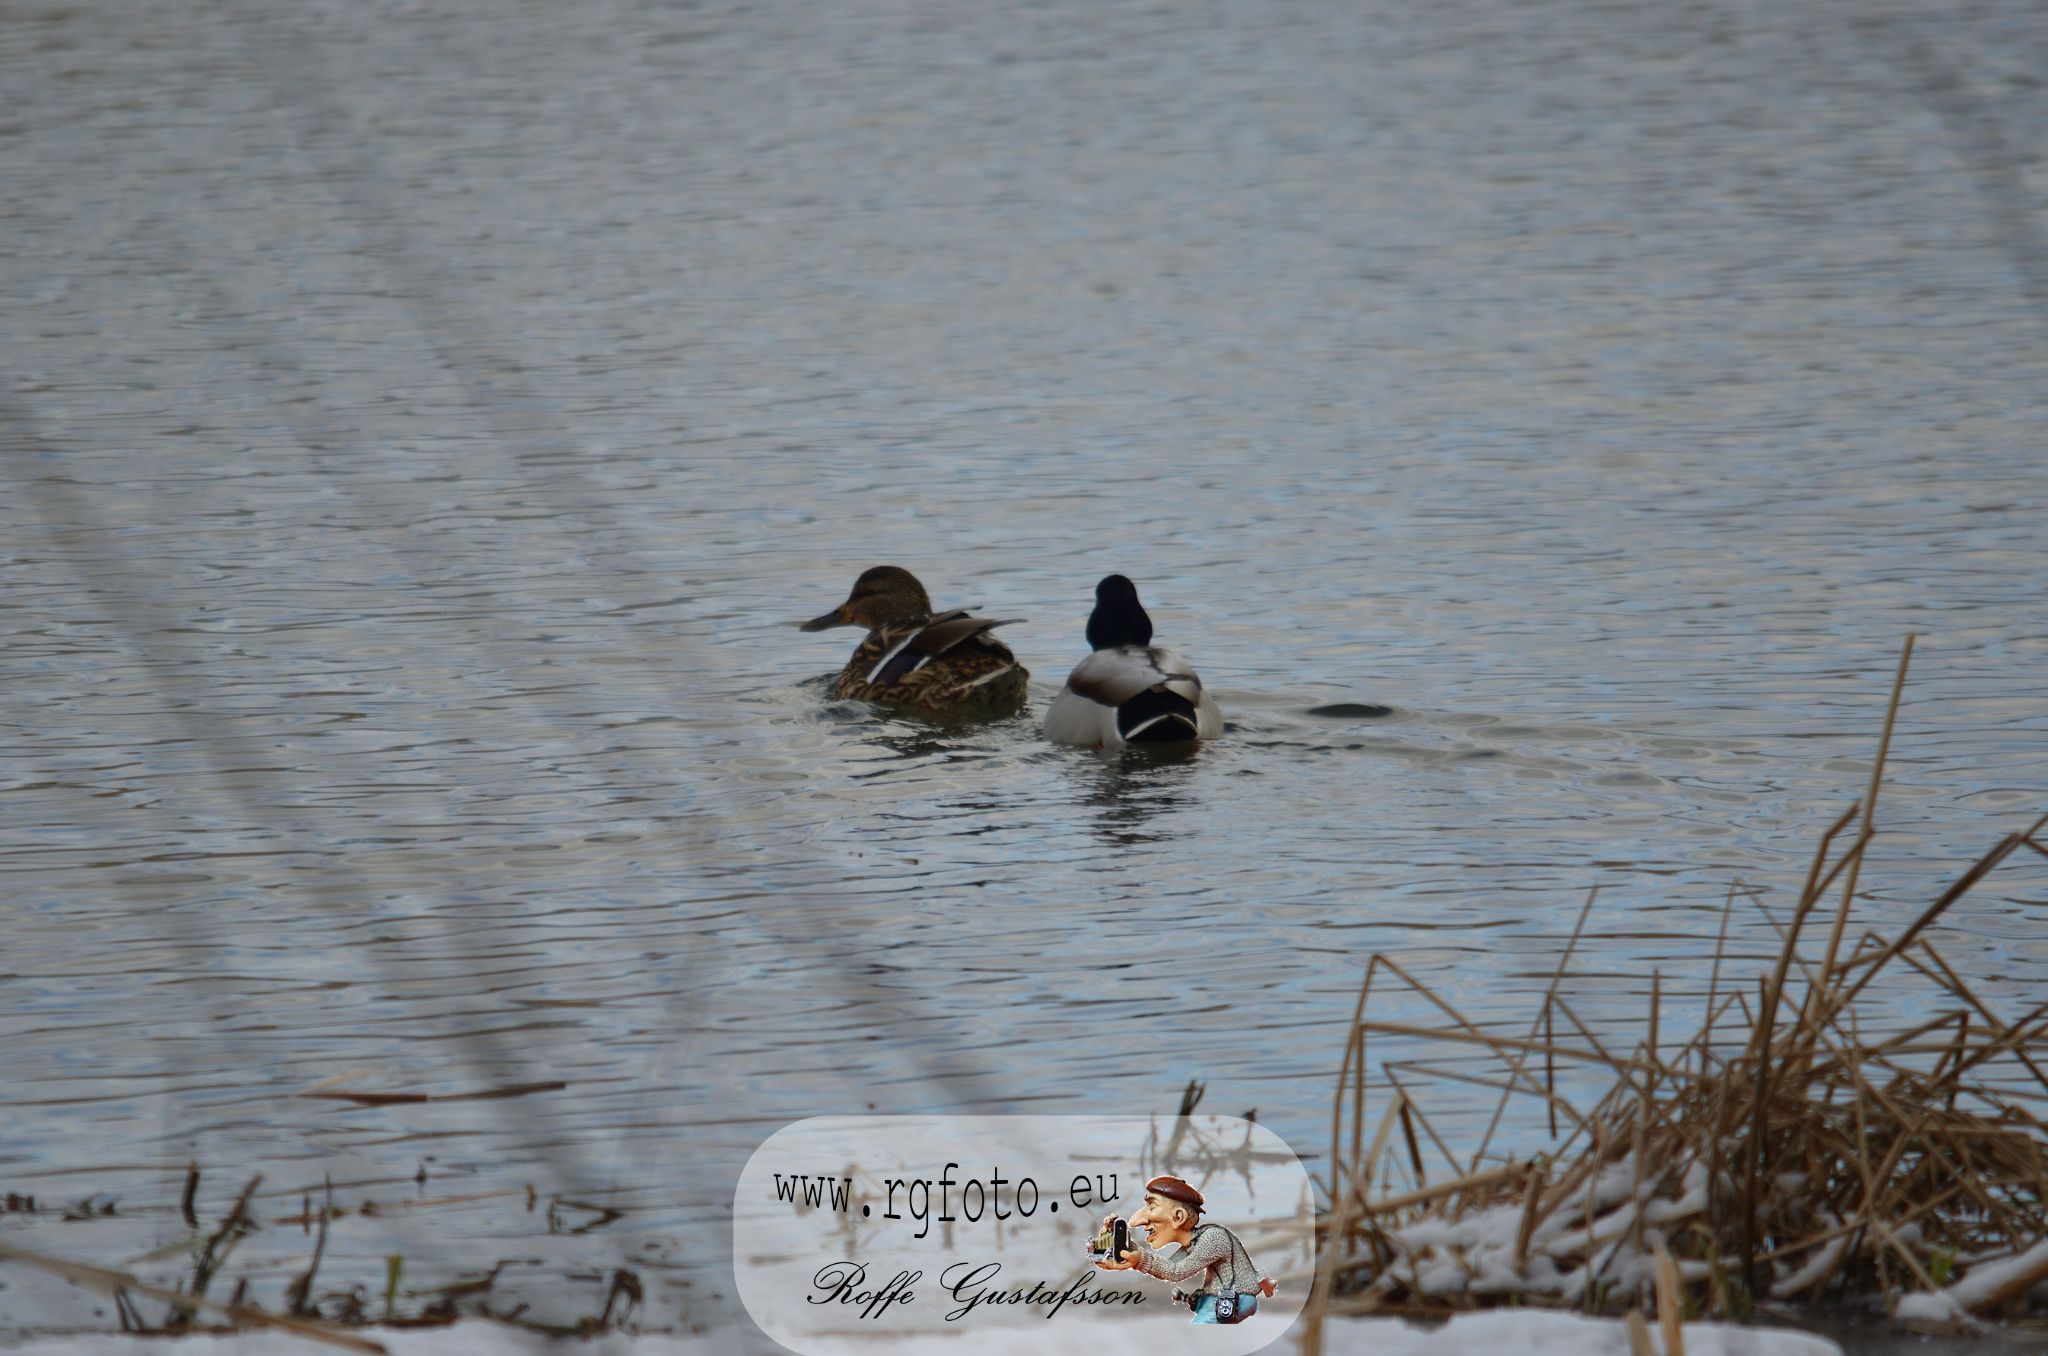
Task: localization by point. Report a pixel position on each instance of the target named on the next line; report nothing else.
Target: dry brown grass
(1783, 1154)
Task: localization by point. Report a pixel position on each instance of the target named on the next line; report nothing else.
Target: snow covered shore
(1525, 1333)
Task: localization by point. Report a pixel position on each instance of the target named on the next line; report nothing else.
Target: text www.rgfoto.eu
(975, 1198)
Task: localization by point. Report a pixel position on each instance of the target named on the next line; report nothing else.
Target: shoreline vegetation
(1789, 1155)
(335, 1318)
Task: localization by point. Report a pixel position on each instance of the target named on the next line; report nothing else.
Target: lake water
(1540, 424)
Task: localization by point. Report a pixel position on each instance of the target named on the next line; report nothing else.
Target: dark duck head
(884, 594)
(1119, 618)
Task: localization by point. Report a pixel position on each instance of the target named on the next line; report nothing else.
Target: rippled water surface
(1541, 425)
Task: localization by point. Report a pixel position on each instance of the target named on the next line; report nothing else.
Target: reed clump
(1787, 1153)
(335, 1315)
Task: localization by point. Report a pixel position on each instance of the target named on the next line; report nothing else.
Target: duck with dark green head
(948, 663)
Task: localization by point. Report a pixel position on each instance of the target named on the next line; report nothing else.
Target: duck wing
(945, 632)
(1113, 677)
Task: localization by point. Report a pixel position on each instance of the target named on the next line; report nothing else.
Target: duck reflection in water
(917, 737)
(1132, 789)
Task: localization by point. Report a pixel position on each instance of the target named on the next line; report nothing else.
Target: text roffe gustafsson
(968, 1285)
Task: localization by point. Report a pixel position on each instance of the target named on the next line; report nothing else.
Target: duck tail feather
(1155, 717)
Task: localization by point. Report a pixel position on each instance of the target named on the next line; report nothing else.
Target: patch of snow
(473, 1337)
(1525, 1332)
(1691, 1202)
(1817, 1265)
(1528, 1332)
(1986, 1277)
(1926, 1308)
(1952, 1306)
(1475, 1253)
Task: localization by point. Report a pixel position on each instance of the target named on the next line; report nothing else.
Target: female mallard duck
(1129, 691)
(948, 663)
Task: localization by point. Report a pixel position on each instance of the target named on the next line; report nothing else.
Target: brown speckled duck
(947, 664)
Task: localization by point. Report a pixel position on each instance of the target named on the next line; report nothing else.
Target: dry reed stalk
(1326, 1261)
(115, 1283)
(1408, 1106)
(1414, 1150)
(1537, 1179)
(1481, 1081)
(213, 1254)
(1543, 1020)
(1352, 1067)
(185, 1203)
(1670, 1305)
(299, 1294)
(1423, 1195)
(1869, 830)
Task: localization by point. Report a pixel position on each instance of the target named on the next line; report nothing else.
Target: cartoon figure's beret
(1173, 1189)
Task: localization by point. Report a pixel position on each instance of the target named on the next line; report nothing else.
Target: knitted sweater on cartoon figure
(1213, 1253)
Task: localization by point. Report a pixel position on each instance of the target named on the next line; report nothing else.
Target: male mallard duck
(946, 663)
(1129, 691)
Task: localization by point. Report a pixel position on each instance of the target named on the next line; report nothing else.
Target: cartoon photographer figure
(1229, 1283)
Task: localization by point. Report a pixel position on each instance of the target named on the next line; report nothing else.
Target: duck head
(881, 595)
(1119, 618)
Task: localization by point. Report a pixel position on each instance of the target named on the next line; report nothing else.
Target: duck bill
(838, 616)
